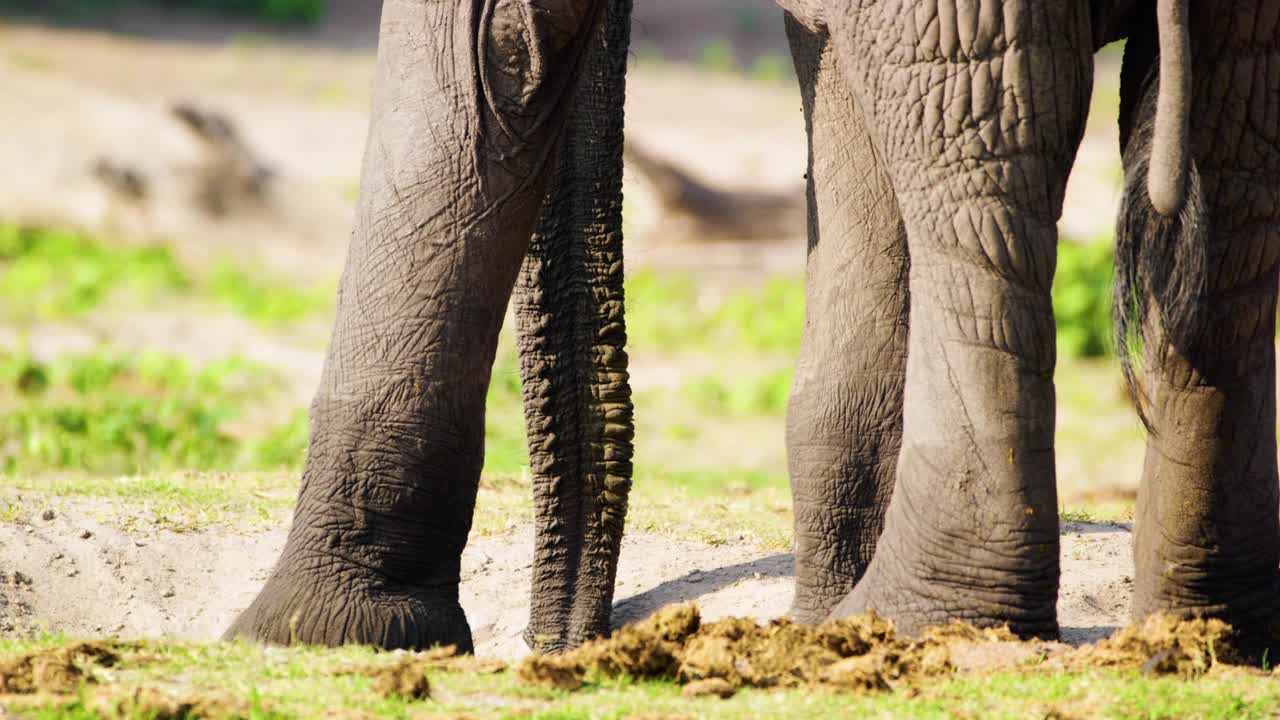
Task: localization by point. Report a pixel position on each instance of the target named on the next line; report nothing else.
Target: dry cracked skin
(861, 654)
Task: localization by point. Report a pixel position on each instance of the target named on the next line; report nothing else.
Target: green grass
(711, 437)
(312, 682)
(112, 413)
(178, 502)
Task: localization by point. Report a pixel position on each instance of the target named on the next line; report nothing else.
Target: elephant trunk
(1170, 157)
(569, 315)
(1163, 229)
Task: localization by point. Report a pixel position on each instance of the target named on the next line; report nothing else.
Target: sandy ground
(80, 573)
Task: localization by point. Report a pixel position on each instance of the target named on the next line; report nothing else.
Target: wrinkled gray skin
(942, 134)
(494, 161)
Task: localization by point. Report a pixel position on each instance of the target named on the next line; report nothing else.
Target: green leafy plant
(1082, 298)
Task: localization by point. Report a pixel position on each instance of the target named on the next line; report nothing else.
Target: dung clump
(58, 670)
(551, 673)
(1163, 644)
(647, 649)
(858, 654)
(406, 678)
(166, 704)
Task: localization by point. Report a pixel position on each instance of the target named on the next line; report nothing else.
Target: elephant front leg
(978, 108)
(844, 421)
(468, 107)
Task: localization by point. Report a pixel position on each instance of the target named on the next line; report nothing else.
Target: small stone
(21, 578)
(85, 534)
(30, 529)
(58, 556)
(48, 515)
(73, 572)
(168, 593)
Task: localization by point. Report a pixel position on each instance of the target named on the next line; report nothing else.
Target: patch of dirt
(130, 579)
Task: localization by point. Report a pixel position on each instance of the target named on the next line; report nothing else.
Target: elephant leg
(469, 104)
(1207, 531)
(844, 422)
(978, 108)
(569, 317)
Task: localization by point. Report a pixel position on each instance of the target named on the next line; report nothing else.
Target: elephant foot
(1248, 603)
(345, 608)
(917, 592)
(914, 606)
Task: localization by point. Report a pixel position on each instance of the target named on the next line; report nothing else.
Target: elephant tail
(573, 362)
(1162, 231)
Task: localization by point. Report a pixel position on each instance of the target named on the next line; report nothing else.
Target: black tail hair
(1161, 264)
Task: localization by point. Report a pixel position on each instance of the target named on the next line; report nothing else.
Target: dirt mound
(862, 654)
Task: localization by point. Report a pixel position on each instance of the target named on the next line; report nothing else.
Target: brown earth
(92, 571)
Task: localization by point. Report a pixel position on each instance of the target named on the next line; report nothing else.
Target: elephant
(493, 165)
(921, 421)
(921, 424)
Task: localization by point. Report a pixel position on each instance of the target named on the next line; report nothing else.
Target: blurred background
(179, 183)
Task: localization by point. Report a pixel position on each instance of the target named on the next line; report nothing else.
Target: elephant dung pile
(56, 670)
(1162, 645)
(861, 654)
(858, 654)
(64, 671)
